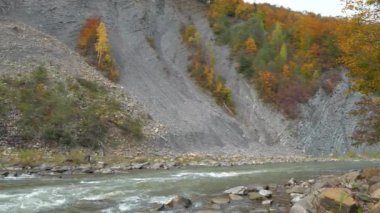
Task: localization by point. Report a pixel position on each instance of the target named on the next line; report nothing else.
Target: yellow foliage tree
(244, 10)
(250, 45)
(209, 75)
(101, 46)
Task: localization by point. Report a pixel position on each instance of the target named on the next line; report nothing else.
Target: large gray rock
(177, 202)
(238, 190)
(305, 205)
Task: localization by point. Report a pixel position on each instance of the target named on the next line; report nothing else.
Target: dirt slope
(158, 78)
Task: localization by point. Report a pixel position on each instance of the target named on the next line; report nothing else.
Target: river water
(142, 190)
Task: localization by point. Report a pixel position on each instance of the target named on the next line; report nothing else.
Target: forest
(288, 56)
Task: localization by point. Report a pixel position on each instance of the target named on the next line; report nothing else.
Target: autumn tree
(88, 33)
(250, 45)
(359, 40)
(101, 46)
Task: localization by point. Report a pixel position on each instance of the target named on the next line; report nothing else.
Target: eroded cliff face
(158, 78)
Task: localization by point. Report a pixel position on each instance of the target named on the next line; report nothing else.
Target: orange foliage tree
(250, 45)
(359, 40)
(88, 33)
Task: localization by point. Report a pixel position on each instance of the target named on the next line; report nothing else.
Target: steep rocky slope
(27, 50)
(158, 78)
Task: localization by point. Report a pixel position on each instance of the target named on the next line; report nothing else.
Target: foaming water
(217, 174)
(143, 190)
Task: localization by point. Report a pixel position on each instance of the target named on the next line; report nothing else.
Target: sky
(323, 7)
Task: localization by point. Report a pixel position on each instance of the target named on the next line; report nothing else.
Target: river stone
(376, 194)
(45, 167)
(337, 199)
(265, 193)
(292, 182)
(363, 196)
(255, 196)
(157, 166)
(296, 189)
(371, 172)
(267, 202)
(374, 180)
(350, 177)
(239, 190)
(207, 211)
(61, 169)
(220, 200)
(296, 199)
(176, 202)
(376, 207)
(235, 197)
(262, 210)
(255, 188)
(138, 165)
(4, 173)
(374, 187)
(304, 205)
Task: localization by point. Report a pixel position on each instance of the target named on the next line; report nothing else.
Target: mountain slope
(158, 78)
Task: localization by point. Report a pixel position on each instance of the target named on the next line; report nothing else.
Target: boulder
(337, 199)
(265, 193)
(220, 200)
(376, 194)
(255, 196)
(374, 187)
(305, 205)
(235, 197)
(177, 202)
(239, 190)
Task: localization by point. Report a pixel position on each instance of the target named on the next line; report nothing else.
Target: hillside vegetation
(65, 112)
(202, 68)
(290, 55)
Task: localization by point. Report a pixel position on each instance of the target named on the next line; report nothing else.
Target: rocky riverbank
(77, 163)
(356, 191)
(114, 165)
